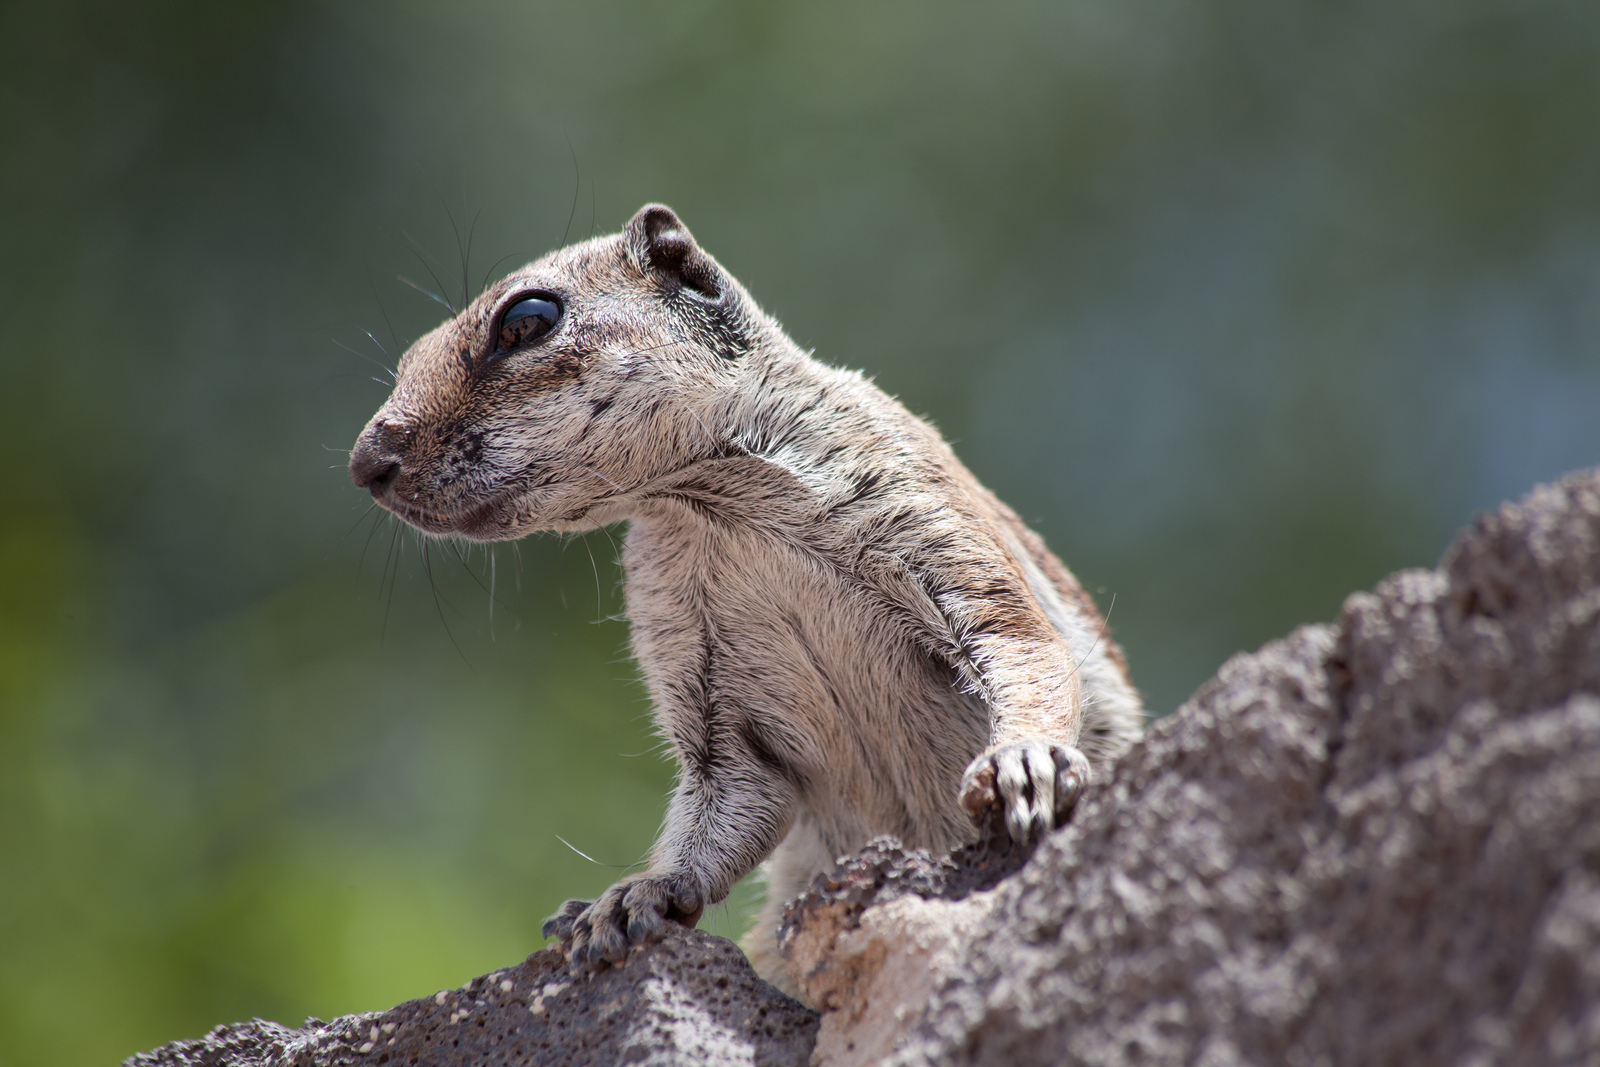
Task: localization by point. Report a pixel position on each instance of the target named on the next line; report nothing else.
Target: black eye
(525, 322)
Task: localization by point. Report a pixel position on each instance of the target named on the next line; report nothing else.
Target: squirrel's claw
(1035, 784)
(629, 913)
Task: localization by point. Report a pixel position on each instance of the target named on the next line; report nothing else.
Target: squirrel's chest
(745, 612)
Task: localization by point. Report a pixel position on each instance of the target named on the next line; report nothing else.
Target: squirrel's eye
(525, 322)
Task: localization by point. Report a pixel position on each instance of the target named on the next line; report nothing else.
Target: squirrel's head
(566, 384)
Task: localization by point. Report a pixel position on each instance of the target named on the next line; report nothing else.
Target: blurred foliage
(1244, 303)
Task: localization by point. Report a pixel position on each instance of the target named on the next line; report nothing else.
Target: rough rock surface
(871, 943)
(691, 999)
(1376, 842)
(1372, 843)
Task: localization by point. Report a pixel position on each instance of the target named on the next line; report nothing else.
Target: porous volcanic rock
(690, 999)
(1376, 842)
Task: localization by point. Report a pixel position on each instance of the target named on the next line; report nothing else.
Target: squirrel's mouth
(497, 518)
(504, 516)
(434, 522)
(489, 520)
(480, 522)
(479, 516)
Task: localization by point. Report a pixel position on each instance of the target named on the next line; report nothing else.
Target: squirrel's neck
(789, 405)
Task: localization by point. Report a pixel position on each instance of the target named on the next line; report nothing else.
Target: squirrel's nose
(375, 461)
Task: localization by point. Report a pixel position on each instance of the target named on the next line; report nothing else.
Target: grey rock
(1376, 842)
(690, 999)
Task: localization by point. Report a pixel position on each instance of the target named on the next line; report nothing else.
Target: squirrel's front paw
(1035, 783)
(628, 913)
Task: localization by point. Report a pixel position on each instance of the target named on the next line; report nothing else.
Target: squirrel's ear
(659, 243)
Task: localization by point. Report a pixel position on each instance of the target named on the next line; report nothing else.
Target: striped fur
(843, 633)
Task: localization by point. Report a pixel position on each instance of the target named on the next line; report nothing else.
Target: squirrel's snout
(375, 461)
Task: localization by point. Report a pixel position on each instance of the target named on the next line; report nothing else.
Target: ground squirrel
(843, 633)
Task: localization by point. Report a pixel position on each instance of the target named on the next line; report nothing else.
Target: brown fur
(841, 630)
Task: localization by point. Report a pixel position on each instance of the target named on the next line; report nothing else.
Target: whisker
(591, 859)
(1105, 624)
(716, 444)
(386, 353)
(577, 185)
(427, 293)
(394, 337)
(438, 602)
(416, 250)
(369, 359)
(490, 272)
(599, 600)
(466, 259)
(464, 254)
(616, 551)
(466, 565)
(376, 526)
(603, 478)
(395, 547)
(362, 519)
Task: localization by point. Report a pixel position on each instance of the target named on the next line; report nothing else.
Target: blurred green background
(1244, 303)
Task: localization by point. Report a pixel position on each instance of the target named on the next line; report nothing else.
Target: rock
(873, 971)
(690, 999)
(1370, 843)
